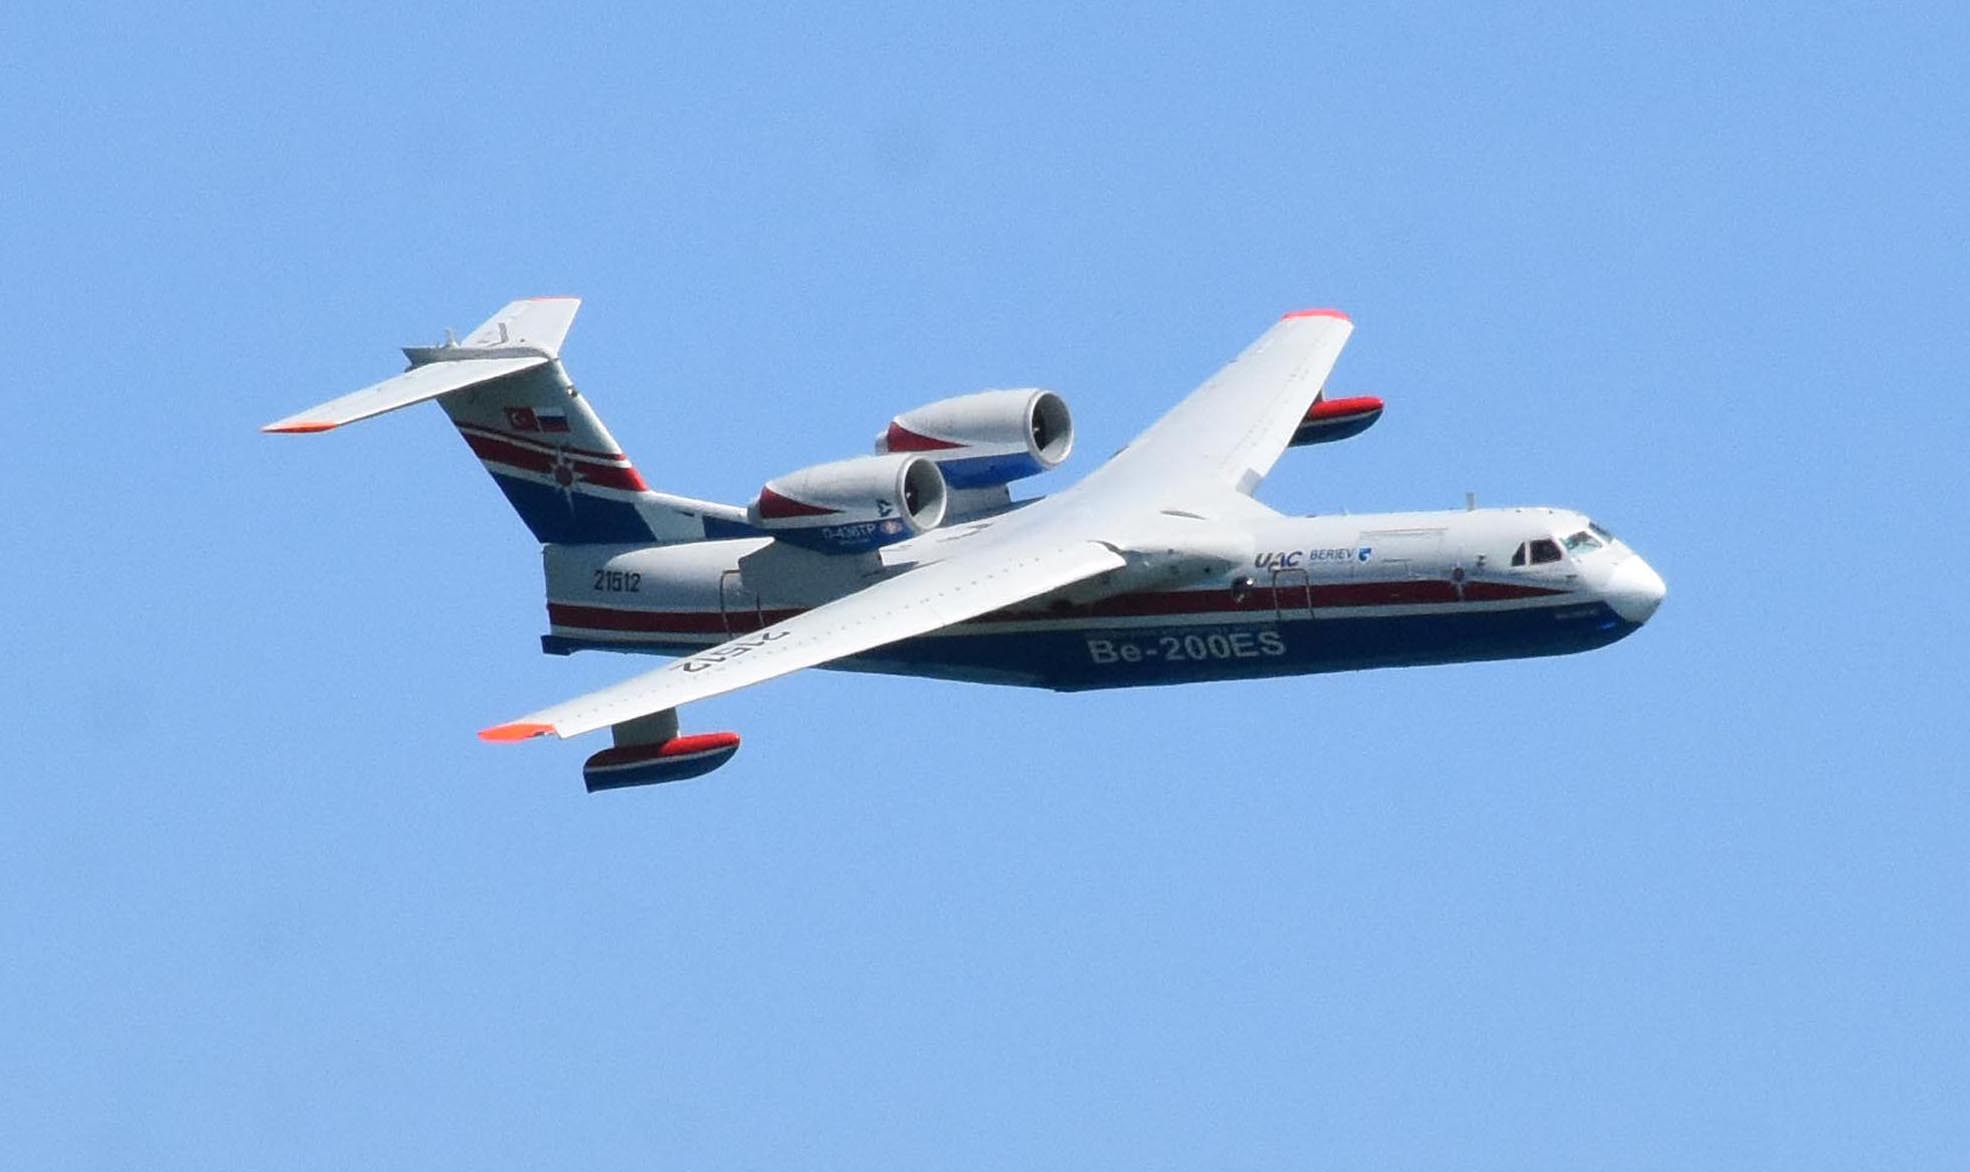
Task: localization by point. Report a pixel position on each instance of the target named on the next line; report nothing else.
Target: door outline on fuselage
(1292, 594)
(732, 586)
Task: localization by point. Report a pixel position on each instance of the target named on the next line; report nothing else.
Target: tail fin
(507, 393)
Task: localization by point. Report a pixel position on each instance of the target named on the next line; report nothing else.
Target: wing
(1229, 432)
(994, 574)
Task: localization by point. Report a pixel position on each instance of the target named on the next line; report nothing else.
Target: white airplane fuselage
(1308, 594)
(1157, 567)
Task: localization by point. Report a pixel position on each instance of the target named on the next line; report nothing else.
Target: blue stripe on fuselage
(1080, 657)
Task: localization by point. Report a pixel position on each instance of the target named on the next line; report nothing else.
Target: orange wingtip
(514, 732)
(297, 428)
(1316, 313)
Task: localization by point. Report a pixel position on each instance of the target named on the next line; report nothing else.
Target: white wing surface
(915, 603)
(1228, 433)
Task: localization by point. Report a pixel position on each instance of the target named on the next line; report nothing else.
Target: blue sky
(1696, 900)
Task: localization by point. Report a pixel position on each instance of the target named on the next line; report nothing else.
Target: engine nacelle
(988, 439)
(853, 506)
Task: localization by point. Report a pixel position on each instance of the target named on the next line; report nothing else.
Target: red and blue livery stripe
(552, 485)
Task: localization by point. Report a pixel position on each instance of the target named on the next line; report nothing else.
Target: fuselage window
(1545, 550)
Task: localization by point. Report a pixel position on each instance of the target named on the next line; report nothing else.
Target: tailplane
(507, 393)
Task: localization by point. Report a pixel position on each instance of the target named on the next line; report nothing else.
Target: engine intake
(852, 506)
(986, 439)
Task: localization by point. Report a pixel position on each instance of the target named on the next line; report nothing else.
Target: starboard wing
(1228, 433)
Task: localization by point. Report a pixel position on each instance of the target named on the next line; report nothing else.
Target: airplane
(1159, 567)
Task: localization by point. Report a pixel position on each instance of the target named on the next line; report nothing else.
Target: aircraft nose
(1634, 590)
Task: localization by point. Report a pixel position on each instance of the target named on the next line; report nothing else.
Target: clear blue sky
(1700, 900)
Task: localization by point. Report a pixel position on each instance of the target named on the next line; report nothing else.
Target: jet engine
(853, 506)
(988, 439)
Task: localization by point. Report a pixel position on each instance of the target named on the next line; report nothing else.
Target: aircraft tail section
(559, 467)
(505, 390)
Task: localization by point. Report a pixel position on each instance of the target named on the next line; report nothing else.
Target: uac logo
(1362, 553)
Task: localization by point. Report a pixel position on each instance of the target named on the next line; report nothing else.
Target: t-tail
(507, 393)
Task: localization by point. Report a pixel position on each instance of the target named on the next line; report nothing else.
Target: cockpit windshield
(1580, 543)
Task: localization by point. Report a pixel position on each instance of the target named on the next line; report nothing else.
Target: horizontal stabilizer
(412, 386)
(525, 334)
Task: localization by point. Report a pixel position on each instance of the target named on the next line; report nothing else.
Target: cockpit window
(1538, 552)
(1583, 542)
(1604, 534)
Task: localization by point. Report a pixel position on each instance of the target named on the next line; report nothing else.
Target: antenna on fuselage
(1470, 502)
